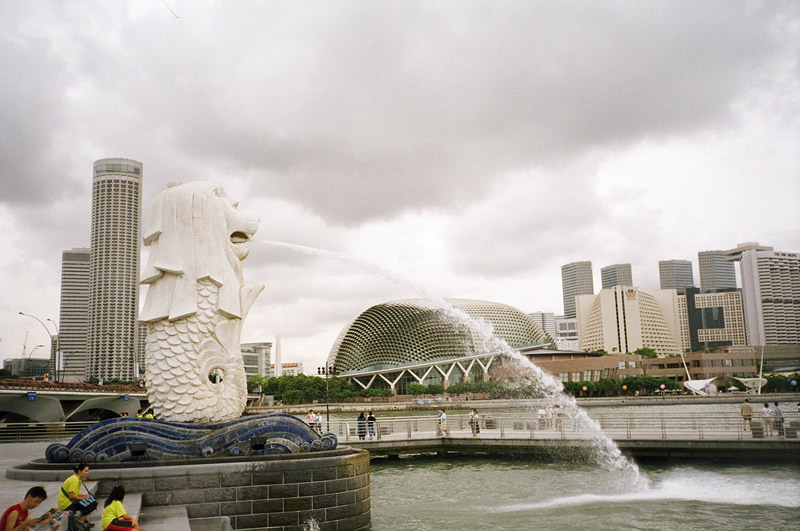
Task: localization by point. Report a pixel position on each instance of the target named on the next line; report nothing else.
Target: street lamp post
(52, 340)
(327, 371)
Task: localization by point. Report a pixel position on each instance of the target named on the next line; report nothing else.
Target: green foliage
(646, 352)
(303, 389)
(416, 389)
(781, 384)
(5, 373)
(435, 389)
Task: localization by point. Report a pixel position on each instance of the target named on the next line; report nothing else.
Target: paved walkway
(13, 491)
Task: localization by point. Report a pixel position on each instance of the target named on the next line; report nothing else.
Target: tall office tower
(73, 315)
(547, 320)
(112, 339)
(716, 271)
(676, 274)
(711, 319)
(770, 294)
(616, 275)
(622, 319)
(576, 279)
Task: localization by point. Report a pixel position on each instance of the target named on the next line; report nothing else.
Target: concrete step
(165, 518)
(217, 523)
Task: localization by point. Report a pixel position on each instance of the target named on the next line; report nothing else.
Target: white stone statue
(195, 303)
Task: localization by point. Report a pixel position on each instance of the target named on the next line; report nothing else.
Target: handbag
(89, 503)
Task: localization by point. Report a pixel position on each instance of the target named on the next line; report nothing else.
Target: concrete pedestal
(266, 492)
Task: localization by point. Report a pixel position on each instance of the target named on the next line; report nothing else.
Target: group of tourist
(551, 418)
(314, 419)
(366, 425)
(773, 418)
(73, 508)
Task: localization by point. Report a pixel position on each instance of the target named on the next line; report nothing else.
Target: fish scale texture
(180, 356)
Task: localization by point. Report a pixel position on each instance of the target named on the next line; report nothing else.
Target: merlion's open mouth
(239, 237)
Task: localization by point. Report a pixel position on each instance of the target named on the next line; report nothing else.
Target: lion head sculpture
(194, 232)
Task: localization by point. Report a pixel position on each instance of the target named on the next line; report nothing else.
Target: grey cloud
(366, 109)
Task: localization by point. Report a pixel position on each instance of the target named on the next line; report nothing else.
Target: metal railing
(679, 426)
(683, 426)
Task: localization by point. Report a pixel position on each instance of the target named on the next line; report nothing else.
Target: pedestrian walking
(474, 422)
(442, 430)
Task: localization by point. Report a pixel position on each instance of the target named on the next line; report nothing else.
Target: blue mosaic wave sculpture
(140, 439)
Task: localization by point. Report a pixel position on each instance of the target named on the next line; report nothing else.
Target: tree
(416, 389)
(646, 352)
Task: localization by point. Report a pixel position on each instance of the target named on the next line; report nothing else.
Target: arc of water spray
(604, 450)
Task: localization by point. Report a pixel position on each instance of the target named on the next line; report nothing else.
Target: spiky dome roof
(405, 332)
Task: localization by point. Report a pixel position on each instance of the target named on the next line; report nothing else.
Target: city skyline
(471, 150)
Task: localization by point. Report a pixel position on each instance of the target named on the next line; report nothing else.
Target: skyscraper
(716, 271)
(112, 338)
(547, 320)
(675, 274)
(616, 275)
(576, 279)
(711, 319)
(770, 294)
(622, 319)
(73, 313)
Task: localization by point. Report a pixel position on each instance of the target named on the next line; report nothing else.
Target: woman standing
(362, 426)
(114, 516)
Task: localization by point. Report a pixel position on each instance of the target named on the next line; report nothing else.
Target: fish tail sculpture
(195, 304)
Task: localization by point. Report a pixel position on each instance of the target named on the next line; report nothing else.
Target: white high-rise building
(623, 318)
(576, 279)
(547, 320)
(113, 338)
(256, 358)
(770, 294)
(716, 271)
(616, 275)
(675, 274)
(73, 314)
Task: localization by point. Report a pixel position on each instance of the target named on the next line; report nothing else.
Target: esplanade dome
(406, 332)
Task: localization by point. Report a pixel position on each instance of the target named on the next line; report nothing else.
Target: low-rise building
(591, 367)
(291, 368)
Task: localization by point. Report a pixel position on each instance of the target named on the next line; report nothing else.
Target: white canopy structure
(752, 383)
(699, 387)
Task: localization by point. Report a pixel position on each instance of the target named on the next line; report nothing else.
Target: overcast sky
(470, 147)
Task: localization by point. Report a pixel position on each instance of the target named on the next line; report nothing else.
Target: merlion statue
(195, 303)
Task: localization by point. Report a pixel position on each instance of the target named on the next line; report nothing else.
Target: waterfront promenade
(679, 436)
(676, 437)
